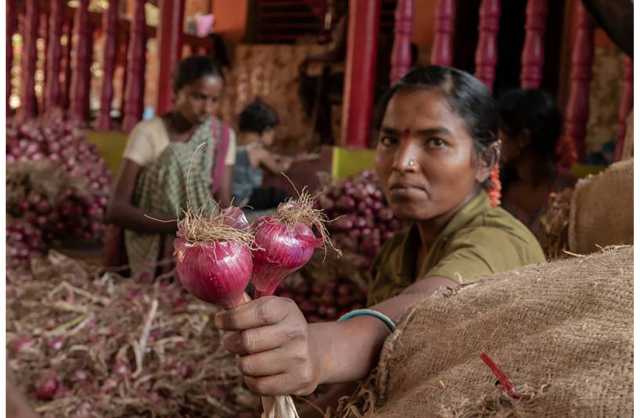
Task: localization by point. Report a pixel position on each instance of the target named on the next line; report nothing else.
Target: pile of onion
(79, 213)
(23, 242)
(361, 218)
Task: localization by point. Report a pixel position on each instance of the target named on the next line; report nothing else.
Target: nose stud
(411, 163)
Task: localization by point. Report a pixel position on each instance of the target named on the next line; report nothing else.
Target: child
(256, 126)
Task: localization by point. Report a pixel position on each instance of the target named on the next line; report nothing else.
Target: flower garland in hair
(495, 190)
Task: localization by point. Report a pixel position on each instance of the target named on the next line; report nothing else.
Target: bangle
(388, 322)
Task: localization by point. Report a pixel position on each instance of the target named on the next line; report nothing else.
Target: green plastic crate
(347, 162)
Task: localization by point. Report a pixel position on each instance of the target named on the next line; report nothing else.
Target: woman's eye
(436, 143)
(388, 141)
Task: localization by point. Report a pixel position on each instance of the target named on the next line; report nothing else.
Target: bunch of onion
(214, 262)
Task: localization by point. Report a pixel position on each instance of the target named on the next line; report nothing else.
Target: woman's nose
(406, 158)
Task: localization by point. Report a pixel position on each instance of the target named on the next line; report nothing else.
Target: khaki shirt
(480, 240)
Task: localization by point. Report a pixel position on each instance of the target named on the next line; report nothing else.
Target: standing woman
(437, 144)
(182, 157)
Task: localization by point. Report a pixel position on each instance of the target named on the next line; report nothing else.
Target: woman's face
(425, 157)
(512, 146)
(200, 99)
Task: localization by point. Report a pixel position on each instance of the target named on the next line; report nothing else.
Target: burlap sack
(562, 332)
(602, 209)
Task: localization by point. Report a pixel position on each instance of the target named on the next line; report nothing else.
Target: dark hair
(467, 96)
(536, 112)
(192, 69)
(257, 117)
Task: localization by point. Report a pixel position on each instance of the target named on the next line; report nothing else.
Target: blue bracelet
(370, 312)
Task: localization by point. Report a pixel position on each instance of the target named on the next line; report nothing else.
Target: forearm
(138, 220)
(348, 350)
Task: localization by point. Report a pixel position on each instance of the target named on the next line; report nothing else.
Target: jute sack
(562, 332)
(602, 209)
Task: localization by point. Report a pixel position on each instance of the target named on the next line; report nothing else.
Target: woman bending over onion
(437, 144)
(186, 154)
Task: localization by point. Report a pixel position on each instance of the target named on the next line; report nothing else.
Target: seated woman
(530, 125)
(182, 158)
(437, 144)
(256, 132)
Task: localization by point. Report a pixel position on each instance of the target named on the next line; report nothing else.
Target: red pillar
(12, 25)
(169, 48)
(486, 52)
(442, 51)
(28, 63)
(533, 51)
(110, 29)
(571, 145)
(81, 61)
(626, 103)
(401, 54)
(134, 91)
(360, 74)
(54, 55)
(66, 87)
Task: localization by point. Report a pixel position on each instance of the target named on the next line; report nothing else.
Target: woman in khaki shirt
(437, 144)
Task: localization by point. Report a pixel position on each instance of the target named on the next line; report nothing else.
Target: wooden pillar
(169, 49)
(68, 66)
(54, 55)
(533, 51)
(360, 74)
(81, 61)
(401, 54)
(124, 45)
(571, 146)
(486, 52)
(12, 26)
(442, 51)
(134, 91)
(28, 104)
(110, 29)
(626, 104)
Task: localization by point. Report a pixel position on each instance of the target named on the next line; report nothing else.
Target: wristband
(388, 322)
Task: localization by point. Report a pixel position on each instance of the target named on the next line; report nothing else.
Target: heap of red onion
(74, 212)
(23, 242)
(285, 242)
(362, 221)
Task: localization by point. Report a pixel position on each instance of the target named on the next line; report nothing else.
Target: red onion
(282, 249)
(216, 272)
(47, 386)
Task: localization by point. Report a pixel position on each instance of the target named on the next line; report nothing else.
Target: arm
(223, 195)
(121, 212)
(281, 353)
(272, 163)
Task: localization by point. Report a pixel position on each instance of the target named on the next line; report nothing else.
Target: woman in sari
(181, 159)
(437, 145)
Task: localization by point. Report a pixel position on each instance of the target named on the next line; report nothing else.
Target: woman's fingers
(257, 313)
(261, 339)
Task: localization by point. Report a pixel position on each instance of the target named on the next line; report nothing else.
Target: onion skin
(282, 249)
(216, 273)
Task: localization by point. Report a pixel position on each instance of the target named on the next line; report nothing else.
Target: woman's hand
(272, 338)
